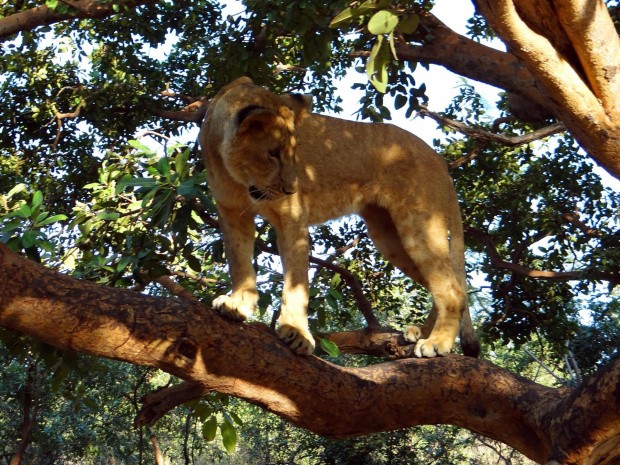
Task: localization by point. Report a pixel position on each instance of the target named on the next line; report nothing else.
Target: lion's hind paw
(413, 334)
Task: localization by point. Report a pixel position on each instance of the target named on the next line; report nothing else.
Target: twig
(573, 218)
(171, 286)
(509, 141)
(498, 262)
(364, 305)
(467, 158)
(545, 367)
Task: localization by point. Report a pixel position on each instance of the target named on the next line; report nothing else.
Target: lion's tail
(467, 334)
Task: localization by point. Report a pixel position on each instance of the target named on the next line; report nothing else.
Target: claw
(299, 340)
(232, 308)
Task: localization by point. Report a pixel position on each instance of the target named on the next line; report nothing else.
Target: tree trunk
(248, 361)
(159, 455)
(32, 398)
(572, 49)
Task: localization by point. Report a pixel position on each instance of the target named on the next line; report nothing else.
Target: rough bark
(572, 50)
(28, 20)
(248, 361)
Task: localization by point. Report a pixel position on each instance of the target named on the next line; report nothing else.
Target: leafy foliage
(95, 182)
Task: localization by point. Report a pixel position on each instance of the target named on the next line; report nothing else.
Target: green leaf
(229, 436)
(343, 18)
(235, 417)
(186, 187)
(51, 219)
(209, 428)
(108, 215)
(376, 67)
(30, 238)
(164, 167)
(40, 217)
(24, 211)
(202, 411)
(59, 376)
(122, 264)
(11, 225)
(46, 245)
(141, 148)
(194, 263)
(135, 182)
(409, 25)
(329, 347)
(332, 301)
(149, 196)
(37, 199)
(392, 46)
(400, 101)
(180, 162)
(383, 22)
(51, 4)
(18, 188)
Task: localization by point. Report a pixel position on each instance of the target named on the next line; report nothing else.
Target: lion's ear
(254, 118)
(300, 104)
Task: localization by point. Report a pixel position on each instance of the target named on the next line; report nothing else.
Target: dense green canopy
(101, 178)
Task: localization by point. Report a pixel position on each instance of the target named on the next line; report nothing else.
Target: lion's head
(258, 141)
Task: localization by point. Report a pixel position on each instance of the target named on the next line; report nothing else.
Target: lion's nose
(288, 191)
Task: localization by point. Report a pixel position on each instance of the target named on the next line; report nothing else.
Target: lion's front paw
(433, 347)
(298, 339)
(233, 309)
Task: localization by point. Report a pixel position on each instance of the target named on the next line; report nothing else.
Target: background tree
(101, 181)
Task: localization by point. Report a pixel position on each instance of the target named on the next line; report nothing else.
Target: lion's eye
(274, 154)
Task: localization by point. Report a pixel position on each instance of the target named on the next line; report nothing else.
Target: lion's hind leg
(425, 237)
(418, 245)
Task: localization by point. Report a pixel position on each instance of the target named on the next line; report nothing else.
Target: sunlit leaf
(51, 219)
(229, 436)
(329, 347)
(383, 22)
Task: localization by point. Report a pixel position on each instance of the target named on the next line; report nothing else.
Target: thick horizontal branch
(248, 361)
(383, 342)
(42, 15)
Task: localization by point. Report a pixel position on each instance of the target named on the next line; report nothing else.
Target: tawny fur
(268, 155)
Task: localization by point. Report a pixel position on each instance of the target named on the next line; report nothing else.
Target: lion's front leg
(293, 320)
(238, 231)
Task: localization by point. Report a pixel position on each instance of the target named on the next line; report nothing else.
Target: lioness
(267, 155)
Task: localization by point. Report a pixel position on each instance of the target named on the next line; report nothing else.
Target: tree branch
(42, 15)
(248, 361)
(509, 141)
(536, 33)
(498, 262)
(363, 304)
(469, 58)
